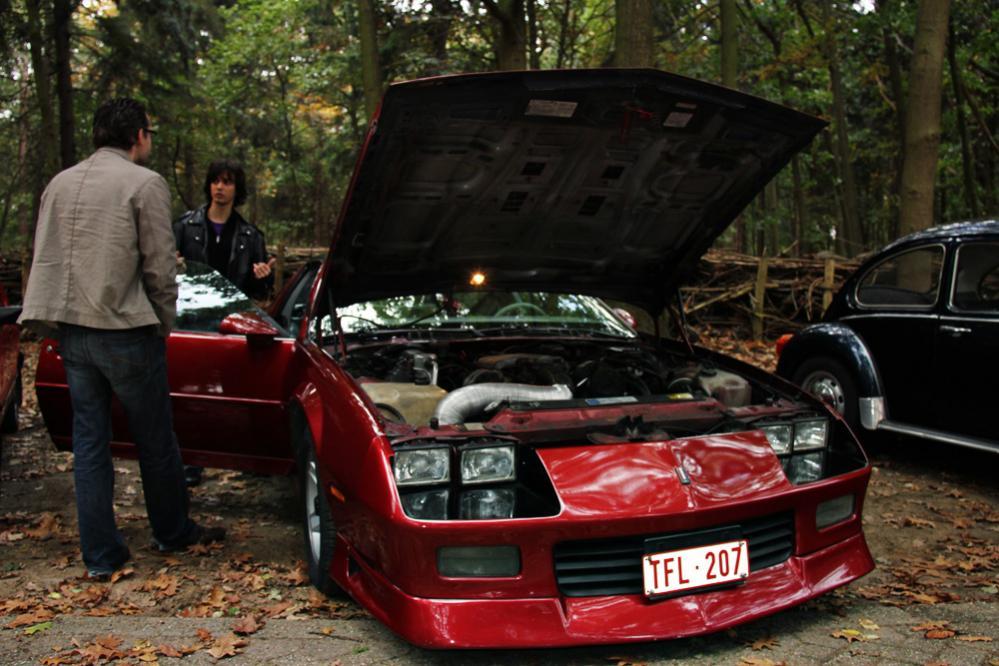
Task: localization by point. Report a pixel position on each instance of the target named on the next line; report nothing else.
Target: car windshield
(486, 312)
(205, 297)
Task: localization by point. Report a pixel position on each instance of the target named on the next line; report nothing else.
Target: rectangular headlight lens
(422, 467)
(478, 561)
(487, 503)
(429, 505)
(804, 468)
(810, 435)
(488, 464)
(833, 511)
(779, 436)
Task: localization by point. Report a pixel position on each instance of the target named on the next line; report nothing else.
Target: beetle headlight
(422, 467)
(779, 436)
(488, 464)
(810, 435)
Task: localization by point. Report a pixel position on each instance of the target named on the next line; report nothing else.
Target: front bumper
(561, 621)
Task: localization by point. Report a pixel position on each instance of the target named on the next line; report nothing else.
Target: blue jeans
(131, 364)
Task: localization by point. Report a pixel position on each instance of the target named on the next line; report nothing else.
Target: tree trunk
(922, 122)
(633, 33)
(439, 30)
(565, 21)
(43, 94)
(898, 96)
(62, 19)
(728, 29)
(533, 53)
(371, 73)
(798, 223)
(967, 154)
(511, 38)
(852, 237)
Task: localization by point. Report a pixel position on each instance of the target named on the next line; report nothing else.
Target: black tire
(318, 528)
(9, 423)
(830, 381)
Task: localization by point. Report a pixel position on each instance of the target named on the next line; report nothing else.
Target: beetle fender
(836, 341)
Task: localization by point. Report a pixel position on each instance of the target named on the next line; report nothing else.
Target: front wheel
(318, 526)
(828, 380)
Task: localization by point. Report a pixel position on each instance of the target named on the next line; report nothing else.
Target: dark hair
(118, 121)
(234, 169)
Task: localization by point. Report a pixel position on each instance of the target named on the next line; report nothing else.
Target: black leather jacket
(191, 233)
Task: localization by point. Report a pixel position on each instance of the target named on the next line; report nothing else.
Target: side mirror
(250, 324)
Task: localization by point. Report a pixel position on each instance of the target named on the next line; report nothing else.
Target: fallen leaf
(761, 661)
(869, 625)
(929, 626)
(169, 651)
(121, 573)
(849, 635)
(35, 628)
(768, 643)
(937, 634)
(911, 521)
(247, 625)
(975, 639)
(26, 619)
(226, 646)
(204, 635)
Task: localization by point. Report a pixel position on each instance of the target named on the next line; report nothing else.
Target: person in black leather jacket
(217, 235)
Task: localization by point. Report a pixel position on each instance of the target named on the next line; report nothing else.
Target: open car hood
(603, 182)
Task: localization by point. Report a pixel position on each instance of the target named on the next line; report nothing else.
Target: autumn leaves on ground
(932, 528)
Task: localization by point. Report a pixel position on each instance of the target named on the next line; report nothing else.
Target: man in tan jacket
(103, 280)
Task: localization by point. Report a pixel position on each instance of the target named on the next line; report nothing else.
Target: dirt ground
(931, 519)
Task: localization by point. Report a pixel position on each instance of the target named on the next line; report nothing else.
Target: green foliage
(277, 84)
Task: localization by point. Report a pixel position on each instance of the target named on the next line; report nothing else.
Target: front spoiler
(560, 621)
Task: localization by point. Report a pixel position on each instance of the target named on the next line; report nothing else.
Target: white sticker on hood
(550, 107)
(677, 119)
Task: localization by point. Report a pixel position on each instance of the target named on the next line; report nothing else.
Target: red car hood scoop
(603, 182)
(632, 480)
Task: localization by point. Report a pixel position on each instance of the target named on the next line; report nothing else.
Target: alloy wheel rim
(312, 527)
(826, 387)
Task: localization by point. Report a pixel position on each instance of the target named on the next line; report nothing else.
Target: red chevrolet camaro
(489, 454)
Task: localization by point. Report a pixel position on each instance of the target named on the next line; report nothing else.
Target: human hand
(262, 270)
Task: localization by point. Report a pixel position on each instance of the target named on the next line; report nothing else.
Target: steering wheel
(510, 308)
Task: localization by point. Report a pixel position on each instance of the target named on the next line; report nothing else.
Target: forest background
(288, 86)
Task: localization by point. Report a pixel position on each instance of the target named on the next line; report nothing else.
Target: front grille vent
(614, 566)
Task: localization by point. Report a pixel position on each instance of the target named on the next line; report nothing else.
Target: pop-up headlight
(489, 464)
(801, 445)
(810, 435)
(422, 467)
(779, 436)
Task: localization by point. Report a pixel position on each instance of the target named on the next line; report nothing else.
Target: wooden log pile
(767, 296)
(764, 297)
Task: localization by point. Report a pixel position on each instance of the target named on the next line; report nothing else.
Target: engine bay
(468, 382)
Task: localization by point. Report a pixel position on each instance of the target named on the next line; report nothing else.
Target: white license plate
(692, 568)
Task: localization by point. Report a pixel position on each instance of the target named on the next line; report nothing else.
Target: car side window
(976, 278)
(910, 279)
(293, 310)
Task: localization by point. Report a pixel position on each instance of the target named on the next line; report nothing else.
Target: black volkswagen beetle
(910, 344)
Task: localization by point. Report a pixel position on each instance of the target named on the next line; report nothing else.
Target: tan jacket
(104, 248)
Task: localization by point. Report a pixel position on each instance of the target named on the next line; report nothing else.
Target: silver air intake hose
(460, 404)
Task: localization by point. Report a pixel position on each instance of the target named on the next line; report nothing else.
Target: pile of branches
(722, 292)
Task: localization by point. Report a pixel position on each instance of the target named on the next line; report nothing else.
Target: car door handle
(954, 330)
